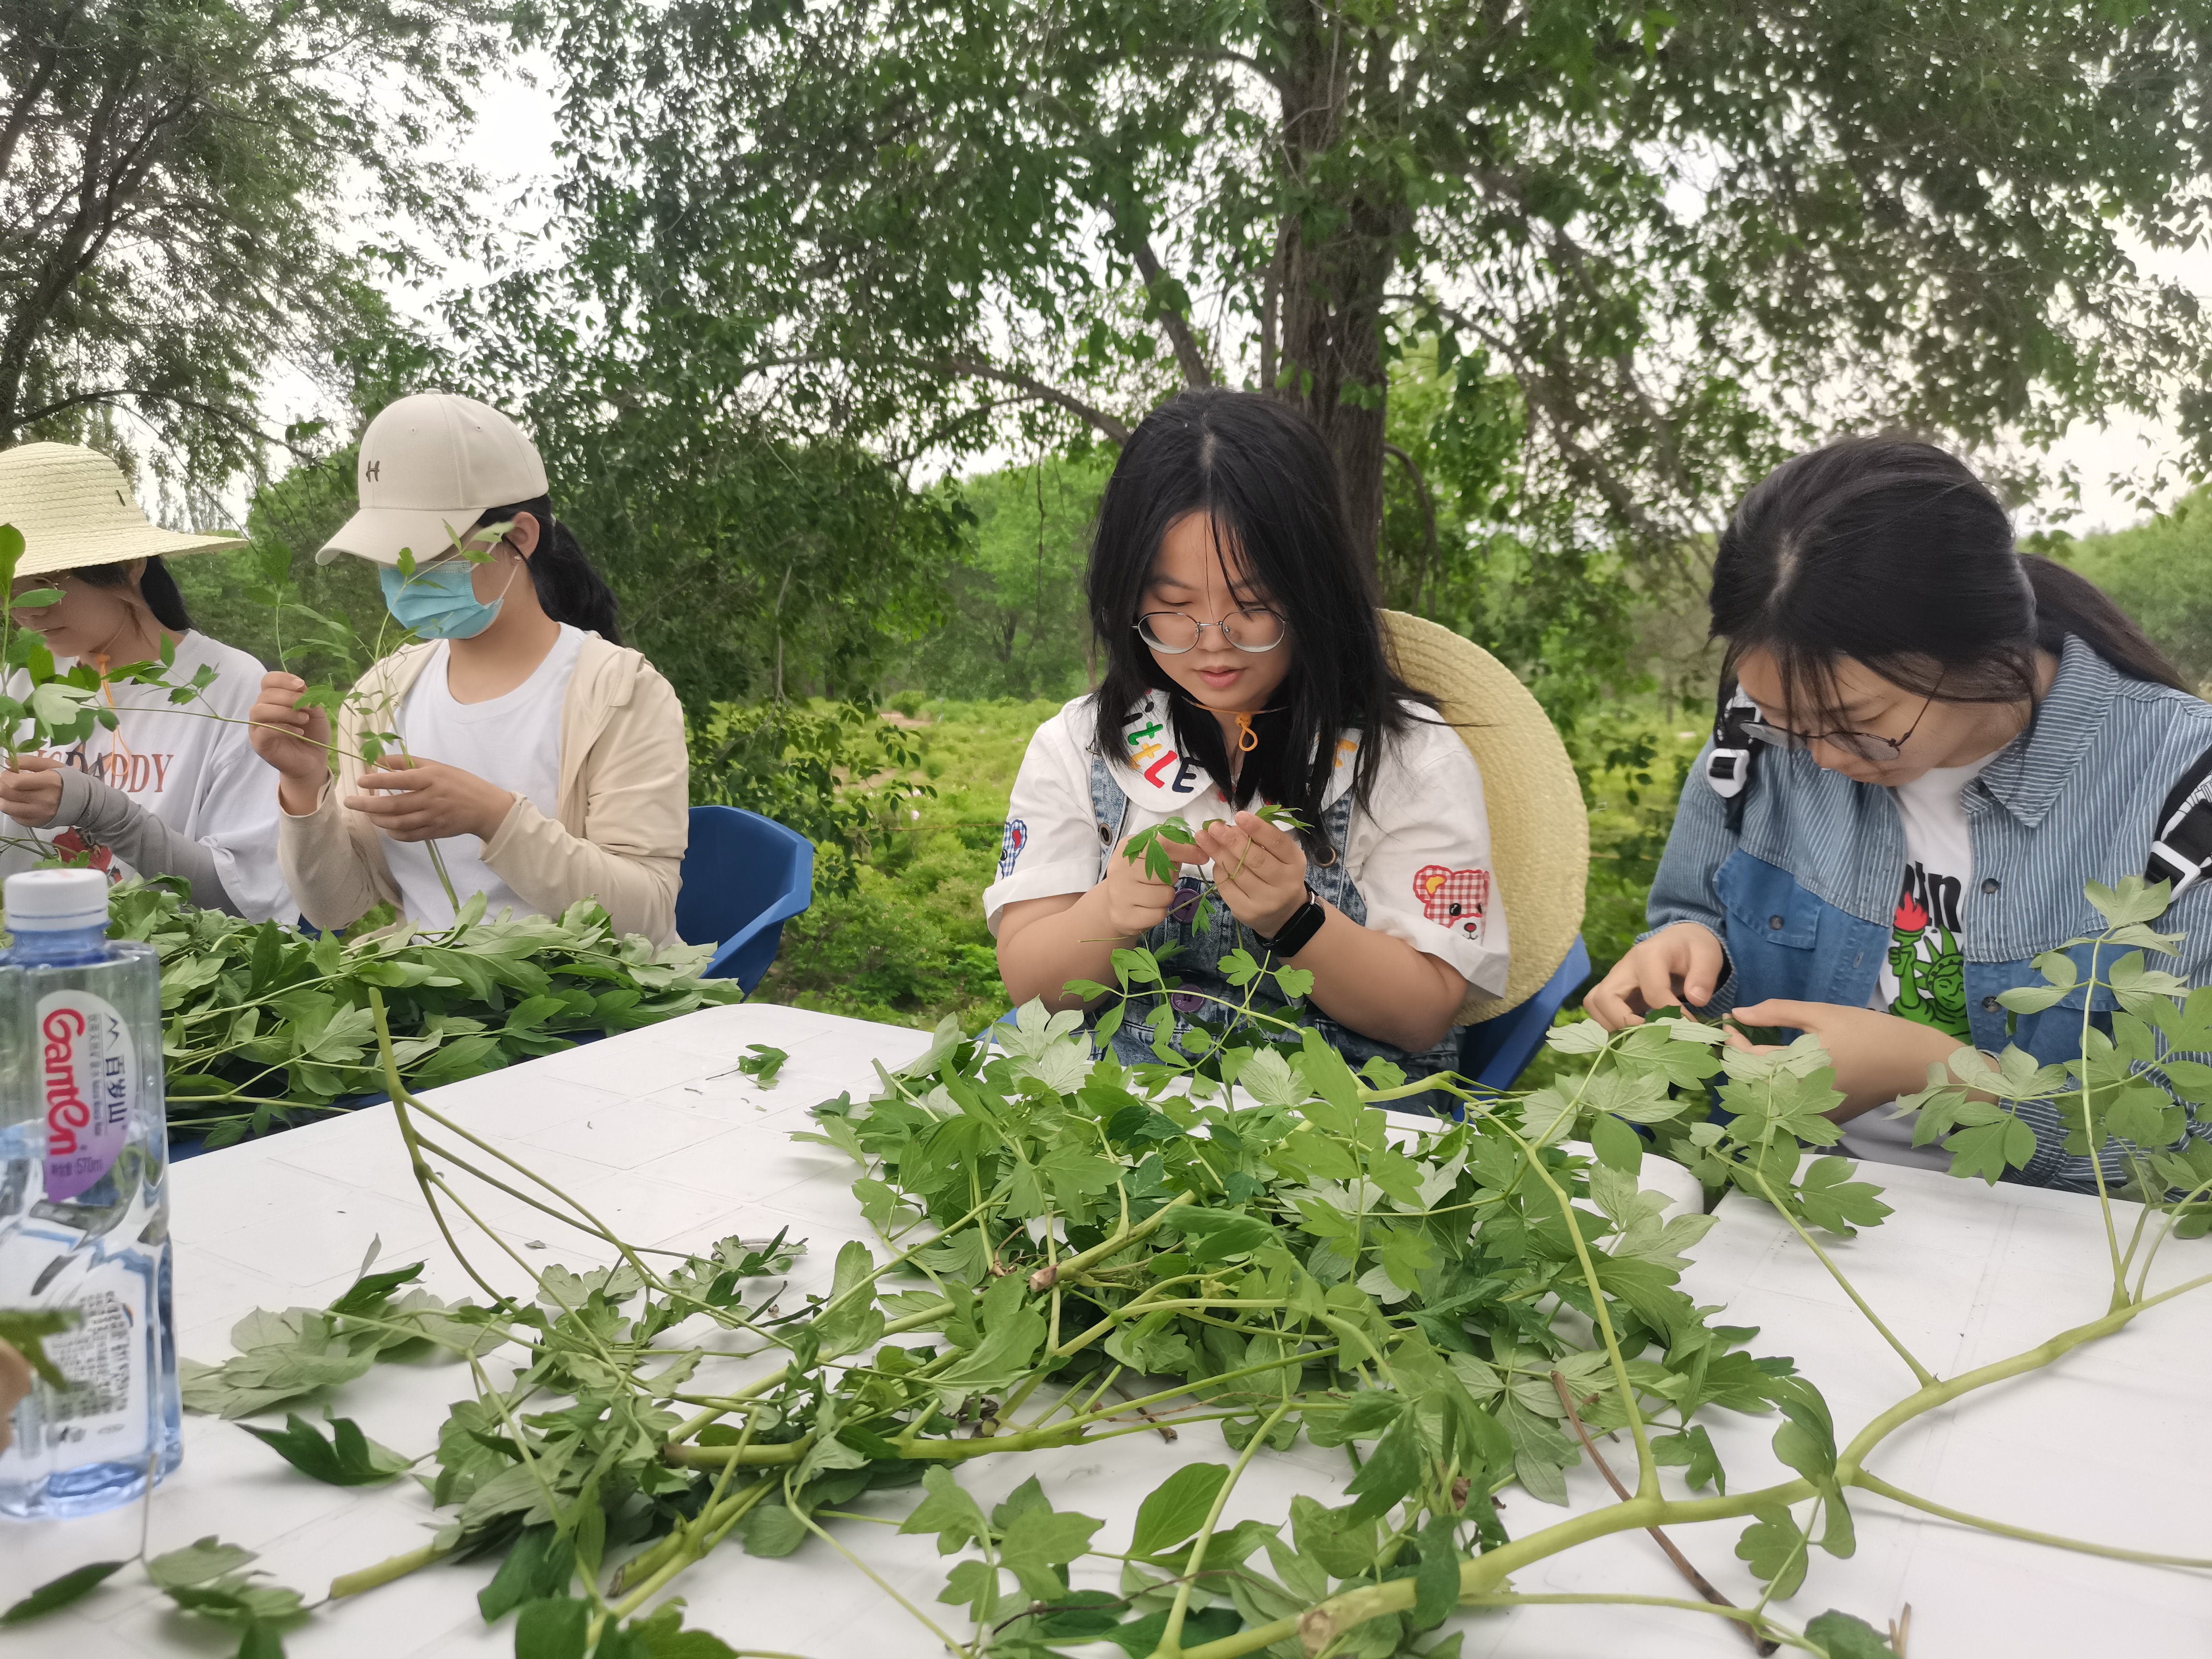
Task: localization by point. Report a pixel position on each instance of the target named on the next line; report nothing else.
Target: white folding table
(659, 1134)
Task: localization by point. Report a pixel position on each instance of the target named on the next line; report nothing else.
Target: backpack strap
(1729, 767)
(2182, 853)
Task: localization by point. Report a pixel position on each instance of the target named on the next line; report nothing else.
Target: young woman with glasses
(1244, 666)
(1953, 738)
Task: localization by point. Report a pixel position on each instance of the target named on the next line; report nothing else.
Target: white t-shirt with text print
(192, 766)
(1419, 853)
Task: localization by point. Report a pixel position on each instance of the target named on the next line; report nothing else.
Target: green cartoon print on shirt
(1925, 954)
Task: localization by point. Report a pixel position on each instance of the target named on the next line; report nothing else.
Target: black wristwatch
(1295, 934)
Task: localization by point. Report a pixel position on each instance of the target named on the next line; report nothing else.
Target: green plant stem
(1320, 1624)
(2088, 1133)
(1921, 1374)
(1043, 1279)
(927, 1622)
(1171, 1637)
(353, 1583)
(2165, 1232)
(1647, 1468)
(1912, 1501)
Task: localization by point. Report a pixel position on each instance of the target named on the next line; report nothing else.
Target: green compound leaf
(1843, 1636)
(1176, 1508)
(551, 1628)
(27, 1331)
(539, 1566)
(198, 1562)
(1775, 1549)
(56, 1593)
(348, 1458)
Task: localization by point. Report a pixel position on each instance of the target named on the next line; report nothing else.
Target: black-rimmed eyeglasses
(1867, 746)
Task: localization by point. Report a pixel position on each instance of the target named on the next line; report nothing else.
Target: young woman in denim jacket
(1954, 737)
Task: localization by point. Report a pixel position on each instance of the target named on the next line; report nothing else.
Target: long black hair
(1890, 552)
(155, 586)
(1265, 476)
(569, 586)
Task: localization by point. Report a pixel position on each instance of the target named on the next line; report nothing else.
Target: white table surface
(655, 1131)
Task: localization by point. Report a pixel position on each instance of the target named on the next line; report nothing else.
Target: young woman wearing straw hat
(1945, 740)
(172, 790)
(541, 757)
(1247, 663)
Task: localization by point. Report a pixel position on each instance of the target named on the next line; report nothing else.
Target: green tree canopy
(1685, 239)
(177, 180)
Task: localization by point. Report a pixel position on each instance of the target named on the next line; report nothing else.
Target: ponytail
(156, 587)
(569, 586)
(2067, 602)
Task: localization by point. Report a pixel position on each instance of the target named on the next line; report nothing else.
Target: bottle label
(88, 1085)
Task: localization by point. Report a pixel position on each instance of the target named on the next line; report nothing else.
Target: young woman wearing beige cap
(172, 790)
(542, 758)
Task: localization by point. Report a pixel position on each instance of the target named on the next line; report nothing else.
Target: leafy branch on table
(1069, 1251)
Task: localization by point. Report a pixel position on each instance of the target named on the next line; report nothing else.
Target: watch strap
(1295, 934)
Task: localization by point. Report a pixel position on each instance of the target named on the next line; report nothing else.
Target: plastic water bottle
(84, 1201)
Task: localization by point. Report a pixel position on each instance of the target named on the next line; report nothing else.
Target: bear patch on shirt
(1453, 898)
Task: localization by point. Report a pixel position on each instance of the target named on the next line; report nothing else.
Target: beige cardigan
(623, 811)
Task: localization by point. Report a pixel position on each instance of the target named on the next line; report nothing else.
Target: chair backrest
(741, 868)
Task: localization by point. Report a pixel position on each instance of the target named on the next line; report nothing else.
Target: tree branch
(1117, 431)
(1420, 489)
(19, 117)
(1173, 322)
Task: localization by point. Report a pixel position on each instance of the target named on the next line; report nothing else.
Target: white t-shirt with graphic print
(1927, 943)
(1419, 854)
(192, 766)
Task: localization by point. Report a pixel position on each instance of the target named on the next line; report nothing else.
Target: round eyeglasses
(1251, 630)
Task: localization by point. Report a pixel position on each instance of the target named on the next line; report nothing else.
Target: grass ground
(910, 946)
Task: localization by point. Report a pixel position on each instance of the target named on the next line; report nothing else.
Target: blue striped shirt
(1802, 897)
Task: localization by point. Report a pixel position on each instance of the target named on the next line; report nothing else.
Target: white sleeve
(1424, 870)
(1050, 843)
(234, 803)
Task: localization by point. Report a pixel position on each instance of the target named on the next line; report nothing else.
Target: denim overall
(1201, 948)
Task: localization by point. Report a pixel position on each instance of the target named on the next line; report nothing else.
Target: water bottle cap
(56, 901)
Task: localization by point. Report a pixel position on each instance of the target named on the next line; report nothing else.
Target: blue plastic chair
(1496, 1051)
(745, 876)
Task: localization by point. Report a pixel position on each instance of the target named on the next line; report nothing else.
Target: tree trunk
(1333, 279)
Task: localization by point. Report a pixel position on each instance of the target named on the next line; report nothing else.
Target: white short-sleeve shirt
(1419, 852)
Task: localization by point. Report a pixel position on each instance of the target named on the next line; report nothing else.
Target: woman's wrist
(297, 797)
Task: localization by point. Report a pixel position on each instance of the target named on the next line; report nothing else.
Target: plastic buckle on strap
(1728, 770)
(2183, 871)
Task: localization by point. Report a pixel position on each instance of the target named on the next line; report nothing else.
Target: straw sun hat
(75, 509)
(1539, 830)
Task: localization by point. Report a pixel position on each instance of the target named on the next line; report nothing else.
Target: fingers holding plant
(31, 790)
(411, 799)
(1259, 869)
(294, 739)
(1139, 882)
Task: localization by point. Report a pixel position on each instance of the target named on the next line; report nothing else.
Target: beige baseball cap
(430, 466)
(75, 509)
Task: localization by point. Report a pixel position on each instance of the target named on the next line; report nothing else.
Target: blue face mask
(438, 601)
